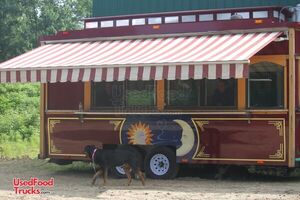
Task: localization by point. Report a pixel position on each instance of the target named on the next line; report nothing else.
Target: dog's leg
(141, 176)
(105, 171)
(126, 168)
(98, 173)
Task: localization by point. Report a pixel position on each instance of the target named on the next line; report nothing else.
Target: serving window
(201, 94)
(140, 93)
(183, 93)
(123, 95)
(108, 94)
(266, 86)
(264, 89)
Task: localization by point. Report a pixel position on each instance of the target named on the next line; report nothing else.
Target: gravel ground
(74, 182)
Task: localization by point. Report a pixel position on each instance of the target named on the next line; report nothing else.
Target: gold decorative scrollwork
(52, 125)
(116, 124)
(201, 124)
(201, 153)
(279, 153)
(278, 125)
(54, 148)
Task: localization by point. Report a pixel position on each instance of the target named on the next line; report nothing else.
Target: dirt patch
(74, 182)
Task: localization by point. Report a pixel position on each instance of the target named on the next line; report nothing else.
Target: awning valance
(210, 56)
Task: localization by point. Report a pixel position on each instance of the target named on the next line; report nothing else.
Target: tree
(22, 22)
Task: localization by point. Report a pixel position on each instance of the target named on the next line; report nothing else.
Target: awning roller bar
(182, 72)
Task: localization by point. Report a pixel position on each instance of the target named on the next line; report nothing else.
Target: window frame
(284, 88)
(124, 107)
(105, 108)
(235, 107)
(199, 107)
(171, 107)
(154, 96)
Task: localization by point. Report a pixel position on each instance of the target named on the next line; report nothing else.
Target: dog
(123, 155)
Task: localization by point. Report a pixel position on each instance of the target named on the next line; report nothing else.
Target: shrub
(19, 111)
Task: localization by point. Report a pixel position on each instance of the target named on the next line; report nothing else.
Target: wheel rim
(159, 164)
(120, 170)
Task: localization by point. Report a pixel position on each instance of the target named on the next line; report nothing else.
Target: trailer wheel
(118, 172)
(160, 163)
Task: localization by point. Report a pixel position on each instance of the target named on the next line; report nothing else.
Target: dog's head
(88, 150)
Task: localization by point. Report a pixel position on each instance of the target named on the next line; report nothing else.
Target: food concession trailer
(198, 87)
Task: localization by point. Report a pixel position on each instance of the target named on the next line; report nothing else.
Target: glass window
(154, 20)
(123, 94)
(220, 93)
(139, 21)
(108, 94)
(183, 93)
(275, 14)
(105, 24)
(206, 17)
(245, 15)
(173, 19)
(223, 16)
(91, 25)
(266, 85)
(206, 94)
(260, 14)
(122, 22)
(140, 93)
(188, 18)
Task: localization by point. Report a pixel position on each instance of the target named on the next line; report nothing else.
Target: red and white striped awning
(196, 57)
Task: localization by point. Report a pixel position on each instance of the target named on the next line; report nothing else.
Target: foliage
(19, 111)
(19, 120)
(22, 22)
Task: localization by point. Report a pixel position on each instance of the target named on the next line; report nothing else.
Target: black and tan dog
(124, 155)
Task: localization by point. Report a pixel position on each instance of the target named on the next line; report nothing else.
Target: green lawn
(20, 149)
(19, 120)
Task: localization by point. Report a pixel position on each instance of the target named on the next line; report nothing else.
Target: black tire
(163, 163)
(116, 173)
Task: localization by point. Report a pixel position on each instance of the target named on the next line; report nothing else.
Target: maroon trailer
(198, 87)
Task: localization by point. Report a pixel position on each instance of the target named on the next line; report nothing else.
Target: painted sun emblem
(139, 133)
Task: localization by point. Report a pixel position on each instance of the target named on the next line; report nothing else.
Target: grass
(76, 166)
(20, 149)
